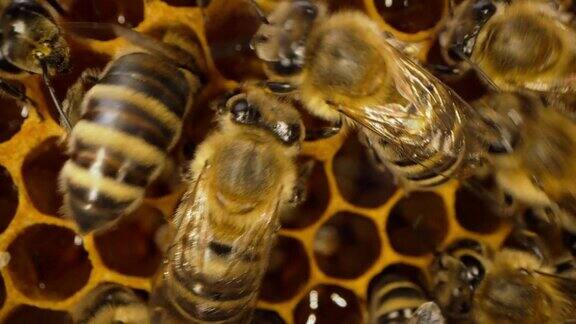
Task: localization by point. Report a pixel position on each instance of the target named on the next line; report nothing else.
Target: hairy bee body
(111, 303)
(534, 158)
(346, 71)
(456, 273)
(519, 289)
(226, 223)
(29, 33)
(395, 300)
(129, 121)
(528, 44)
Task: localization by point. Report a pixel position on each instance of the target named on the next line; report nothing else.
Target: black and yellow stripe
(211, 290)
(395, 300)
(130, 119)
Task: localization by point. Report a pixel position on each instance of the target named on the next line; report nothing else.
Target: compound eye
(244, 113)
(484, 9)
(288, 133)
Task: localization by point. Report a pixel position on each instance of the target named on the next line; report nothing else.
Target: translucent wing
(421, 98)
(427, 313)
(422, 113)
(205, 266)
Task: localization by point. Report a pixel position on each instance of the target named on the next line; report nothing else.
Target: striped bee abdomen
(130, 120)
(428, 164)
(395, 300)
(221, 288)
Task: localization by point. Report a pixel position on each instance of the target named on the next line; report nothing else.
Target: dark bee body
(111, 303)
(130, 120)
(456, 273)
(395, 300)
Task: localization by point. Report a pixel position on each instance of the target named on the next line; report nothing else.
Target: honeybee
(32, 43)
(521, 44)
(244, 174)
(111, 303)
(533, 156)
(456, 273)
(396, 299)
(345, 71)
(128, 121)
(519, 289)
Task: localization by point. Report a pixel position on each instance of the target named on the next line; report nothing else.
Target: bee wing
(428, 101)
(427, 313)
(223, 270)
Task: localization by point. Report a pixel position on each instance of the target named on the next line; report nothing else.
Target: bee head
(32, 37)
(256, 108)
(469, 18)
(281, 40)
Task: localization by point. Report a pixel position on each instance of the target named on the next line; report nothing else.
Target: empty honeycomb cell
(346, 245)
(417, 223)
(126, 12)
(265, 316)
(10, 118)
(359, 181)
(25, 314)
(128, 246)
(410, 16)
(8, 199)
(328, 304)
(476, 213)
(82, 58)
(316, 197)
(40, 172)
(47, 262)
(288, 270)
(231, 50)
(396, 271)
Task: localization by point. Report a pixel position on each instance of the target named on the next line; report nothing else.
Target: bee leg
(71, 105)
(300, 190)
(20, 95)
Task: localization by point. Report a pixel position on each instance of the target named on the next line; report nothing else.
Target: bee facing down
(518, 44)
(111, 303)
(243, 174)
(128, 121)
(346, 71)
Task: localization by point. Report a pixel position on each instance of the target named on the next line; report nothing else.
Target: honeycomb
(355, 225)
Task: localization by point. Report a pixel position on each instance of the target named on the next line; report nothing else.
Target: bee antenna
(46, 80)
(259, 12)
